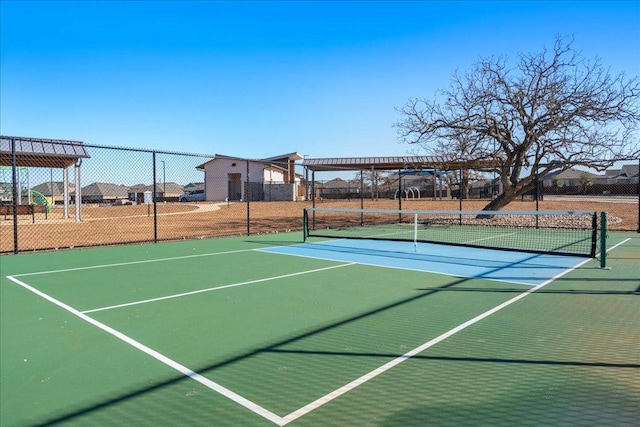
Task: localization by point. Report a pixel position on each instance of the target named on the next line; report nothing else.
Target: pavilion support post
(373, 181)
(313, 189)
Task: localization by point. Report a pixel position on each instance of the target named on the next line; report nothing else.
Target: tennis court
(276, 330)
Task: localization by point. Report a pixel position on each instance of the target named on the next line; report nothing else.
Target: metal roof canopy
(396, 163)
(45, 153)
(41, 153)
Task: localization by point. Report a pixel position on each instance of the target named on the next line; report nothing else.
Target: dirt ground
(105, 225)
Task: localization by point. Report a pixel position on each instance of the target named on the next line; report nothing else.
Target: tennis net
(554, 232)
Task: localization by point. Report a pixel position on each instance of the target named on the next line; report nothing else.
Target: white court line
(489, 238)
(216, 288)
(616, 245)
(281, 421)
(370, 375)
(160, 357)
(120, 264)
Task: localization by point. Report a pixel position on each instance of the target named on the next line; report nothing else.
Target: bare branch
(553, 107)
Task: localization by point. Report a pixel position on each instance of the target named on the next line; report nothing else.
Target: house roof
(167, 187)
(39, 152)
(570, 173)
(336, 183)
(194, 186)
(105, 189)
(630, 170)
(46, 187)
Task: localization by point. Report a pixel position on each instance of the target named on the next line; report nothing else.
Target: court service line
(281, 421)
(216, 288)
(265, 413)
(370, 375)
(489, 238)
(616, 245)
(120, 264)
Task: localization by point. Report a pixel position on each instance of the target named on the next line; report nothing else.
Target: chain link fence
(615, 191)
(112, 195)
(132, 196)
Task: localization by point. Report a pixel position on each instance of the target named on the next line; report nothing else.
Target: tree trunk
(499, 202)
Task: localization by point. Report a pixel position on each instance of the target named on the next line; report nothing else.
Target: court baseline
(305, 250)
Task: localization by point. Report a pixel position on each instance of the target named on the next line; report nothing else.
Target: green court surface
(221, 332)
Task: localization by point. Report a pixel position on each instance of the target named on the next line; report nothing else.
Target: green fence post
(305, 225)
(603, 239)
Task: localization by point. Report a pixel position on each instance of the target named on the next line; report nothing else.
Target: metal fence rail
(616, 192)
(114, 195)
(130, 195)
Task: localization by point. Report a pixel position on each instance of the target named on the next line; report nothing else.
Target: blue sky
(257, 79)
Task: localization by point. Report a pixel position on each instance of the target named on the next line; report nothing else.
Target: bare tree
(551, 111)
(371, 178)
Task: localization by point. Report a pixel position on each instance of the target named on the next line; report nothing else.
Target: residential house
(338, 188)
(164, 191)
(628, 174)
(102, 192)
(569, 178)
(52, 190)
(484, 188)
(192, 186)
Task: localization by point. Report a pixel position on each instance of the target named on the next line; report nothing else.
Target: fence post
(536, 190)
(313, 196)
(460, 178)
(247, 196)
(400, 194)
(155, 214)
(361, 198)
(14, 177)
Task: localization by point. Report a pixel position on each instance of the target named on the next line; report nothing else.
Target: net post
(305, 224)
(603, 239)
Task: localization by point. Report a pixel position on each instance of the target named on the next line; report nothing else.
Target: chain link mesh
(133, 195)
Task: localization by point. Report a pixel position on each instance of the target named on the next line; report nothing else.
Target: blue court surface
(506, 266)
